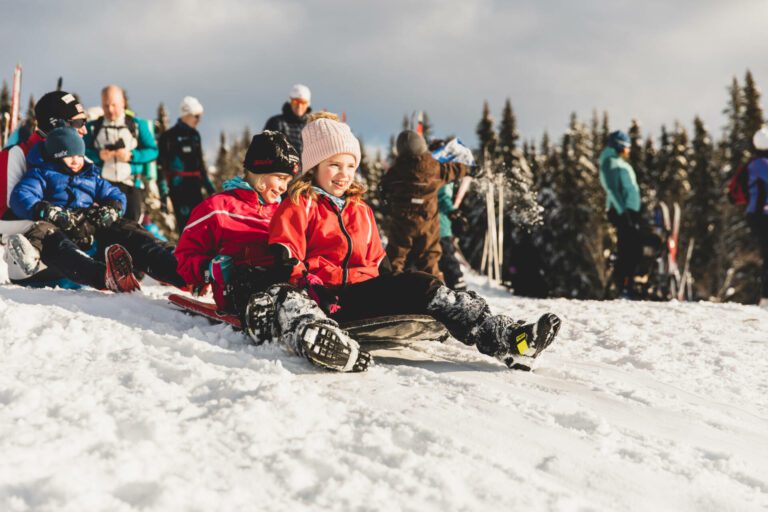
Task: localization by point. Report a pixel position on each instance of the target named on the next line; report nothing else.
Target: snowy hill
(124, 403)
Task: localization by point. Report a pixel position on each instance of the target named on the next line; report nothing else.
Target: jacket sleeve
(90, 145)
(452, 171)
(630, 193)
(198, 244)
(27, 193)
(163, 160)
(288, 228)
(105, 191)
(146, 150)
(615, 197)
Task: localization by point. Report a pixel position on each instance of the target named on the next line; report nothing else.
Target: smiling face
(336, 174)
(269, 186)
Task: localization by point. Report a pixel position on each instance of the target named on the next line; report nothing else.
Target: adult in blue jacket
(124, 147)
(757, 207)
(623, 204)
(64, 190)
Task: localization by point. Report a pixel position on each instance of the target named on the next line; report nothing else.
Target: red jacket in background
(339, 248)
(231, 223)
(13, 165)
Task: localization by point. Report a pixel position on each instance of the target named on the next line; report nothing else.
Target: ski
(205, 309)
(15, 99)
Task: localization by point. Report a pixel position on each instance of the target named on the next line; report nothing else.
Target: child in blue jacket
(63, 191)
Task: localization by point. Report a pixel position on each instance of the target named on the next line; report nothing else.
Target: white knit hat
(190, 106)
(300, 92)
(760, 139)
(324, 138)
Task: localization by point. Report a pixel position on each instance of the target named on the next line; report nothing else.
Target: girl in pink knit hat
(328, 236)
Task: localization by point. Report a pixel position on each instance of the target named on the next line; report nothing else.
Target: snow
(123, 403)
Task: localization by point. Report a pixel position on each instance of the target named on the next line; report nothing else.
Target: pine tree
(508, 136)
(753, 118)
(5, 98)
(737, 144)
(702, 214)
(426, 127)
(486, 136)
(637, 157)
(595, 137)
(392, 153)
(605, 130)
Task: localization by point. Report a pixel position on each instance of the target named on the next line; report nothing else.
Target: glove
(325, 298)
(284, 264)
(82, 234)
(101, 217)
(459, 223)
(56, 215)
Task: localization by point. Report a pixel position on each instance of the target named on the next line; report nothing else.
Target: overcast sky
(657, 61)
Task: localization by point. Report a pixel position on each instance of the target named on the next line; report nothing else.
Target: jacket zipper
(345, 264)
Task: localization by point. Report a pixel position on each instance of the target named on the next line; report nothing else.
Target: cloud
(657, 61)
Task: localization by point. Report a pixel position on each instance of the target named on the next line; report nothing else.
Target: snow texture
(121, 402)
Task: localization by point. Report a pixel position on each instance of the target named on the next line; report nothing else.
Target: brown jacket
(410, 189)
(410, 186)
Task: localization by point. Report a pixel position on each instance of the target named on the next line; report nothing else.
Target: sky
(655, 61)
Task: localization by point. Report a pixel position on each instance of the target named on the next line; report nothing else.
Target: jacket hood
(607, 153)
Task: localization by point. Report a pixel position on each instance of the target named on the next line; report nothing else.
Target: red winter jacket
(231, 223)
(13, 165)
(339, 248)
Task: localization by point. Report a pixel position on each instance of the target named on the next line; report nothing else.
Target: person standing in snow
(225, 245)
(182, 173)
(124, 146)
(757, 207)
(623, 204)
(294, 116)
(327, 234)
(449, 263)
(410, 188)
(66, 190)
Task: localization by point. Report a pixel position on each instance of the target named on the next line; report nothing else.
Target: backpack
(738, 185)
(130, 123)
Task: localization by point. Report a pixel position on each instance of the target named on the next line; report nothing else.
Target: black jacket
(290, 124)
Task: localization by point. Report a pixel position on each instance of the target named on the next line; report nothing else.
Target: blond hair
(303, 187)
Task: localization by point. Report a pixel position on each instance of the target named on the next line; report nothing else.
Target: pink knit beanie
(325, 137)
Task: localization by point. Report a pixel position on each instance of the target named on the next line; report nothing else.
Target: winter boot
(516, 344)
(468, 318)
(259, 318)
(303, 326)
(119, 276)
(24, 254)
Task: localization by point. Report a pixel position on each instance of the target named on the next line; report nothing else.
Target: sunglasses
(298, 101)
(77, 123)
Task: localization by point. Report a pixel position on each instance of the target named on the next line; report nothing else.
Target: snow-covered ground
(123, 403)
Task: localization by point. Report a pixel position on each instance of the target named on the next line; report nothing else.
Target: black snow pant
(134, 204)
(63, 258)
(407, 293)
(630, 248)
(759, 225)
(149, 254)
(450, 266)
(184, 198)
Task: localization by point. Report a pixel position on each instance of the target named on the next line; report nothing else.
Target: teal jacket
(444, 207)
(619, 182)
(142, 157)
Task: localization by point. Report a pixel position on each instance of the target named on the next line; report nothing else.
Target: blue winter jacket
(758, 186)
(53, 182)
(619, 182)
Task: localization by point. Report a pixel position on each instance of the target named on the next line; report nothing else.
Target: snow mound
(124, 403)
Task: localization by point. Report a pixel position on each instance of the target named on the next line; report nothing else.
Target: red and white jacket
(231, 223)
(13, 165)
(338, 247)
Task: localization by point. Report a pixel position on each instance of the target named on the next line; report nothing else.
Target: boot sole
(259, 318)
(18, 246)
(119, 277)
(547, 328)
(323, 347)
